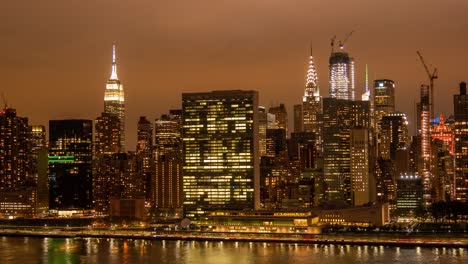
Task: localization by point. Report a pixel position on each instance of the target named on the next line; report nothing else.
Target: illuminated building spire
(312, 78)
(114, 65)
(366, 95)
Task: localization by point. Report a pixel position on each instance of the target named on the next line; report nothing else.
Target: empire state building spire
(114, 65)
(114, 99)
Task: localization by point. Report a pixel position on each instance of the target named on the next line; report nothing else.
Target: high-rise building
(166, 186)
(298, 119)
(339, 118)
(221, 152)
(384, 98)
(107, 138)
(281, 117)
(312, 104)
(14, 150)
(460, 109)
(265, 121)
(341, 76)
(167, 134)
(70, 164)
(18, 188)
(409, 195)
(393, 134)
(39, 165)
(425, 168)
(144, 153)
(114, 99)
(360, 172)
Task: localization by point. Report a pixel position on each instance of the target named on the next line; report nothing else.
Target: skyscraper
(393, 129)
(39, 165)
(167, 134)
(341, 76)
(312, 103)
(107, 138)
(281, 117)
(18, 189)
(460, 105)
(425, 169)
(221, 161)
(144, 154)
(298, 119)
(384, 98)
(70, 164)
(339, 118)
(114, 100)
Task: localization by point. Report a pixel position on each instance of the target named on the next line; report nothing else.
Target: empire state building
(114, 100)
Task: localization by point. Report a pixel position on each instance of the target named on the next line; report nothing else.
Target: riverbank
(455, 241)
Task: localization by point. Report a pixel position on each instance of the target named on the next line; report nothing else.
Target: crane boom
(432, 76)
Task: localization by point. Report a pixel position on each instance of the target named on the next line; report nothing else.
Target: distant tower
(312, 102)
(281, 117)
(425, 169)
(341, 76)
(114, 100)
(384, 98)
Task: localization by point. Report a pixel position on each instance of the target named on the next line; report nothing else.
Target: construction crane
(346, 38)
(432, 76)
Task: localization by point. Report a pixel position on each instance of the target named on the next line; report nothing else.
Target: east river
(110, 250)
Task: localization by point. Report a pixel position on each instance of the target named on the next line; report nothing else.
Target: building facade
(220, 150)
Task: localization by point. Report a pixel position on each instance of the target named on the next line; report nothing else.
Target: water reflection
(90, 250)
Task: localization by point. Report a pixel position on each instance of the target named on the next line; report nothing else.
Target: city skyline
(69, 61)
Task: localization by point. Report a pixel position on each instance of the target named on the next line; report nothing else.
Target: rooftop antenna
(333, 43)
(5, 102)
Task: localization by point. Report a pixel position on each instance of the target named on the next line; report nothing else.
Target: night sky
(55, 55)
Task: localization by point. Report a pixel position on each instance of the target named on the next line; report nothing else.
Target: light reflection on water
(93, 250)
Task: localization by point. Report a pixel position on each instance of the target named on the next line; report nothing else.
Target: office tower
(107, 138)
(70, 164)
(18, 194)
(360, 173)
(384, 98)
(265, 121)
(409, 195)
(301, 147)
(281, 117)
(298, 119)
(220, 142)
(425, 169)
(39, 165)
(393, 134)
(444, 166)
(339, 118)
(167, 134)
(460, 109)
(114, 99)
(312, 104)
(341, 76)
(167, 186)
(144, 153)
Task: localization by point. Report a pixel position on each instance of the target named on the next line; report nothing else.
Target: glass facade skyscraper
(70, 164)
(221, 151)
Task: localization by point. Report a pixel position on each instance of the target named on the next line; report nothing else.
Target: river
(93, 250)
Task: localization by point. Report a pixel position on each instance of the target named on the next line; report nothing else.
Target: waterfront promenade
(388, 239)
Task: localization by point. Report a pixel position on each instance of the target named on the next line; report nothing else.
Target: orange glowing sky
(55, 55)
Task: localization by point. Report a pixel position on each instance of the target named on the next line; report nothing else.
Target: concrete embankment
(371, 240)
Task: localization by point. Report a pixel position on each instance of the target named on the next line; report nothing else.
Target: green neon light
(62, 159)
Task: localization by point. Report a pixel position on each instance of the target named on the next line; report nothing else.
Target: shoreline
(369, 240)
